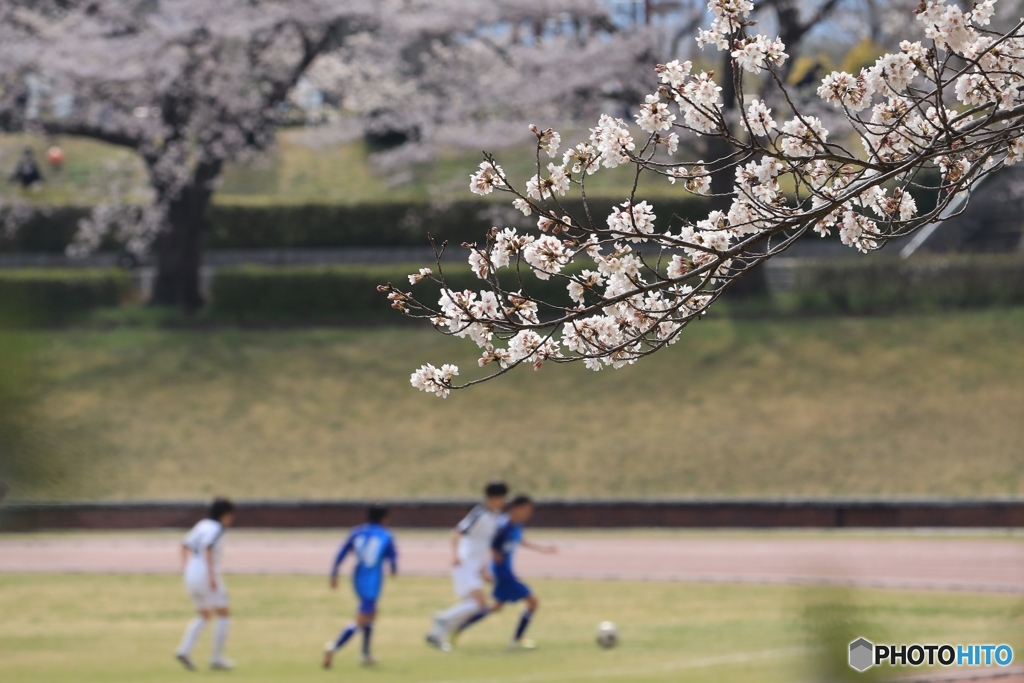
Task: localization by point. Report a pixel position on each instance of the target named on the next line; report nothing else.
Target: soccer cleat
(368, 660)
(185, 661)
(222, 665)
(328, 654)
(440, 643)
(524, 644)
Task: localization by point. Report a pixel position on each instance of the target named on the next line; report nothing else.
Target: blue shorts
(510, 589)
(367, 605)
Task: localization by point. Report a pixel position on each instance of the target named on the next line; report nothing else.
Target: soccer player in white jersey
(471, 558)
(200, 553)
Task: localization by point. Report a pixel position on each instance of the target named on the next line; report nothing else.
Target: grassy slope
(123, 628)
(926, 405)
(295, 171)
(89, 169)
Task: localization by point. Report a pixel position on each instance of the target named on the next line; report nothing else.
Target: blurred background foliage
(106, 398)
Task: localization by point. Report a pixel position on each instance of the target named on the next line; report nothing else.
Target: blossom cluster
(729, 18)
(756, 53)
(437, 381)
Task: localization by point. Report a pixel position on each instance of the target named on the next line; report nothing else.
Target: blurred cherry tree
(471, 74)
(187, 84)
(190, 84)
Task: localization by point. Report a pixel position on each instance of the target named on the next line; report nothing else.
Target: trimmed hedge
(275, 292)
(42, 228)
(33, 296)
(887, 284)
(346, 293)
(341, 292)
(393, 224)
(276, 226)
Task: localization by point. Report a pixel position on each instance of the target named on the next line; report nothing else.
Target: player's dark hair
(375, 514)
(221, 507)
(519, 501)
(495, 489)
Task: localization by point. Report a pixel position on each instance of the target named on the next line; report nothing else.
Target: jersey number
(368, 550)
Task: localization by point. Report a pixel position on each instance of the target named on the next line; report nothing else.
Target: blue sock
(473, 619)
(344, 636)
(524, 621)
(367, 632)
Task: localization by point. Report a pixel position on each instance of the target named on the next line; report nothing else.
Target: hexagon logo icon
(862, 654)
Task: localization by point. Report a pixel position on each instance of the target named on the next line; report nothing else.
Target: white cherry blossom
(803, 137)
(612, 140)
(548, 140)
(435, 380)
(845, 90)
(487, 177)
(557, 182)
(758, 119)
(632, 220)
(654, 115)
(674, 73)
(754, 54)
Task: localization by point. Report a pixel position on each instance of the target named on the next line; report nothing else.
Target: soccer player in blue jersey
(507, 586)
(372, 545)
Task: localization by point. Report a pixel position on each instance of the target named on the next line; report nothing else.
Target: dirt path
(937, 563)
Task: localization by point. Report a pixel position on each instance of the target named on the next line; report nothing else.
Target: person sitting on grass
(200, 553)
(507, 586)
(26, 172)
(371, 544)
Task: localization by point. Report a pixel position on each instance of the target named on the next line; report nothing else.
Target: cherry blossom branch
(631, 287)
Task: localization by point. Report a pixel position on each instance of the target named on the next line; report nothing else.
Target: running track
(952, 562)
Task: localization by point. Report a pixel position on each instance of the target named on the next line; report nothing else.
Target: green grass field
(920, 405)
(84, 628)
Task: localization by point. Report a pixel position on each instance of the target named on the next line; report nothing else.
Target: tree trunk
(722, 179)
(753, 283)
(179, 249)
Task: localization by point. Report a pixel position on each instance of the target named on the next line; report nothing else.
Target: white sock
(452, 617)
(192, 633)
(220, 634)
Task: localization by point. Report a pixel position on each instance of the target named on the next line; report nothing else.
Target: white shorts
(203, 597)
(466, 579)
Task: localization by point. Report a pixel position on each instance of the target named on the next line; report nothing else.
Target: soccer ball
(607, 635)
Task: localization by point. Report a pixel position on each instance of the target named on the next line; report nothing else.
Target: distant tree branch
(107, 135)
